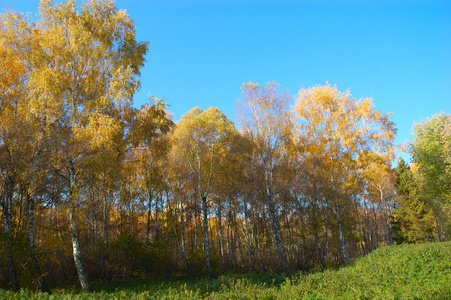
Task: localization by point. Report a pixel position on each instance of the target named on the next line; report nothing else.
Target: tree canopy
(94, 188)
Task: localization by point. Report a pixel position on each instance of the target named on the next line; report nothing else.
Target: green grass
(398, 272)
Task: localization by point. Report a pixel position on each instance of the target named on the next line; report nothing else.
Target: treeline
(92, 188)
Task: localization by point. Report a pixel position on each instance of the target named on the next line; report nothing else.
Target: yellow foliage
(341, 131)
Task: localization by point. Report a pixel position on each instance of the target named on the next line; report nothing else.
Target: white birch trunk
(206, 240)
(342, 238)
(278, 235)
(82, 276)
(249, 248)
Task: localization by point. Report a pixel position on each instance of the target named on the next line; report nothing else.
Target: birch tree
(14, 148)
(264, 118)
(203, 138)
(87, 78)
(342, 132)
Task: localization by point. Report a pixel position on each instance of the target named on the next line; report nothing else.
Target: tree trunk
(196, 238)
(182, 236)
(180, 241)
(106, 218)
(318, 242)
(206, 240)
(42, 283)
(149, 216)
(376, 228)
(304, 250)
(131, 219)
(229, 241)
(439, 232)
(361, 231)
(328, 228)
(233, 258)
(221, 237)
(387, 229)
(257, 246)
(83, 278)
(342, 239)
(157, 210)
(249, 248)
(7, 211)
(278, 235)
(368, 225)
(386, 219)
(291, 245)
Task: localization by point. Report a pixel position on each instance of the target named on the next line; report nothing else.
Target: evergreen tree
(413, 221)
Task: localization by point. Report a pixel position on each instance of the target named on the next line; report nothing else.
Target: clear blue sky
(397, 52)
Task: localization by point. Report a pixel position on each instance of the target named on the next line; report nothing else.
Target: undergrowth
(420, 271)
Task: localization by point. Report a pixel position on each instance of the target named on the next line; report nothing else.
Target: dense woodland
(94, 189)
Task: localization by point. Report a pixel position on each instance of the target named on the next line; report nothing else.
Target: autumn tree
(150, 140)
(264, 119)
(90, 62)
(340, 131)
(12, 75)
(203, 139)
(379, 184)
(309, 192)
(24, 140)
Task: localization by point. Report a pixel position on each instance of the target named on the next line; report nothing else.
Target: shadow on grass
(201, 285)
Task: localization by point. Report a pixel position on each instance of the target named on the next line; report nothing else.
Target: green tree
(431, 151)
(414, 218)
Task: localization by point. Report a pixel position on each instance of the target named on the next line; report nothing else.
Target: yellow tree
(309, 191)
(88, 70)
(12, 143)
(203, 139)
(379, 182)
(265, 120)
(23, 140)
(149, 135)
(230, 193)
(179, 180)
(341, 131)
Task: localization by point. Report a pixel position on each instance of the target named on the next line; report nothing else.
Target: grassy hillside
(399, 272)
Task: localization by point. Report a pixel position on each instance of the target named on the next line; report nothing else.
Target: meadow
(407, 271)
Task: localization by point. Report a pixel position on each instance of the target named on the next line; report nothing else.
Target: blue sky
(200, 52)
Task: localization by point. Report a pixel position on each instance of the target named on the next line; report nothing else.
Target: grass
(397, 272)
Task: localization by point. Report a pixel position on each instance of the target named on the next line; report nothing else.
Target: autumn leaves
(78, 71)
(70, 135)
(329, 135)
